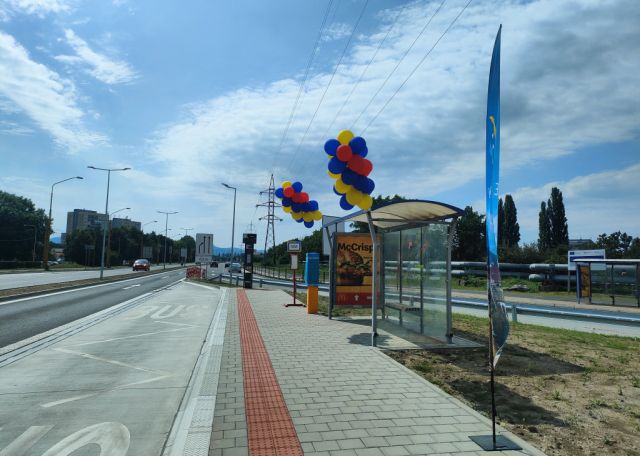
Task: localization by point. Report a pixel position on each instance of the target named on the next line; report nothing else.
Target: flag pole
(492, 371)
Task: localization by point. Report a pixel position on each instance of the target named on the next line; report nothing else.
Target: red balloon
(304, 197)
(288, 192)
(344, 153)
(297, 198)
(367, 167)
(356, 164)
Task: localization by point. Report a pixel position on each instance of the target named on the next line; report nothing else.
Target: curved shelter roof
(396, 215)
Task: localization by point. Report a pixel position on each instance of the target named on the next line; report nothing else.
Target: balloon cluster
(297, 203)
(350, 169)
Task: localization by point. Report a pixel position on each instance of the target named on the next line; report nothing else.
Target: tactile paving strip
(270, 430)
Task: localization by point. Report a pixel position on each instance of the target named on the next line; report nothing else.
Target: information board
(352, 269)
(204, 247)
(574, 255)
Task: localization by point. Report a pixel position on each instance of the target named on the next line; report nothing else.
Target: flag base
(502, 443)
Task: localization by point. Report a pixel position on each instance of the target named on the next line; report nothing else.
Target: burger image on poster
(352, 269)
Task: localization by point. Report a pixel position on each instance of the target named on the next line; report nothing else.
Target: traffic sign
(204, 247)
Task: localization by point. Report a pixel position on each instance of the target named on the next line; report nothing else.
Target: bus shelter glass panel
(391, 261)
(410, 268)
(624, 284)
(434, 279)
(600, 283)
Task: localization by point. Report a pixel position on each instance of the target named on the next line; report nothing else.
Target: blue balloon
(331, 146)
(313, 206)
(297, 187)
(344, 204)
(296, 207)
(336, 191)
(286, 202)
(308, 224)
(370, 186)
(349, 176)
(361, 184)
(300, 220)
(358, 145)
(279, 192)
(363, 153)
(336, 166)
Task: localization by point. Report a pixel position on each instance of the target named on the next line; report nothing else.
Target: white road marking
(202, 286)
(133, 337)
(132, 286)
(161, 313)
(109, 361)
(25, 441)
(112, 438)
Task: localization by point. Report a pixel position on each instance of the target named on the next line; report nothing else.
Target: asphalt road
(28, 279)
(26, 317)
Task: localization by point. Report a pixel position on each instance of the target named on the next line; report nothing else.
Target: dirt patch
(566, 392)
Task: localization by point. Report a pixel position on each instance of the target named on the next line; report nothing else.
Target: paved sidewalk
(345, 398)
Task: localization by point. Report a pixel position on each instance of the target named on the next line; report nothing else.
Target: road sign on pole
(204, 247)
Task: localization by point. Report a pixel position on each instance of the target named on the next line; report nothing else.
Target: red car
(141, 265)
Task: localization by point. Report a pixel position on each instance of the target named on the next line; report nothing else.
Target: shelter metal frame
(398, 216)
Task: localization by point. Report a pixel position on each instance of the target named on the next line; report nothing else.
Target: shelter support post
(374, 290)
(331, 281)
(452, 230)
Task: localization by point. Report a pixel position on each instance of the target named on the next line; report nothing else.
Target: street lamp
(142, 238)
(35, 232)
(233, 223)
(106, 211)
(109, 241)
(166, 224)
(186, 230)
(47, 227)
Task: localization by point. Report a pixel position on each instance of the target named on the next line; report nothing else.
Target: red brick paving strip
(270, 431)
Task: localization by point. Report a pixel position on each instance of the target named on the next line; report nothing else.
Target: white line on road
(132, 286)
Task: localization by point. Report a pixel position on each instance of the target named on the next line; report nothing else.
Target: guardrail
(514, 309)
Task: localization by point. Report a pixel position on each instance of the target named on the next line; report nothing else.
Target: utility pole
(271, 205)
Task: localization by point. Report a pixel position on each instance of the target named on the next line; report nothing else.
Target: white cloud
(99, 66)
(336, 31)
(595, 203)
(40, 93)
(35, 7)
(13, 128)
(564, 87)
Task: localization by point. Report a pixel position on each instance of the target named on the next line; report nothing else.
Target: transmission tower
(271, 205)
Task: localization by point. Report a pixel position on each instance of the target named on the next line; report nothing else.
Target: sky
(193, 94)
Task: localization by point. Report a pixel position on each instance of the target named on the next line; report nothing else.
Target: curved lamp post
(109, 241)
(166, 225)
(47, 227)
(142, 238)
(106, 212)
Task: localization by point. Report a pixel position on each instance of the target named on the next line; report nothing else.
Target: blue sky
(192, 94)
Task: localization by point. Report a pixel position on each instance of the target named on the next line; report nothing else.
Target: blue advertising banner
(497, 309)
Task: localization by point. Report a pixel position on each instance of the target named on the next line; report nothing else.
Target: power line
(417, 66)
(384, 83)
(344, 51)
(312, 56)
(344, 103)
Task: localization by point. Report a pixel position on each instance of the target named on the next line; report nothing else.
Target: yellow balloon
(317, 215)
(345, 136)
(354, 196)
(307, 216)
(286, 184)
(287, 209)
(296, 215)
(333, 176)
(365, 202)
(341, 187)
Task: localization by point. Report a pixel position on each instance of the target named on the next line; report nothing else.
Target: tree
(544, 228)
(502, 241)
(557, 219)
(469, 237)
(511, 230)
(362, 227)
(617, 245)
(21, 223)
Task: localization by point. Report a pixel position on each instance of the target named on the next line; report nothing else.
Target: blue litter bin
(312, 269)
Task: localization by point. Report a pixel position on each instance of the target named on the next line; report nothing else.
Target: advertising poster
(353, 260)
(585, 281)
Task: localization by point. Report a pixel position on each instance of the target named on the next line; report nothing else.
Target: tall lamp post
(142, 238)
(166, 225)
(35, 233)
(233, 223)
(109, 240)
(47, 225)
(186, 230)
(106, 212)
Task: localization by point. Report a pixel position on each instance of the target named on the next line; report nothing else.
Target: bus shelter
(615, 282)
(405, 274)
